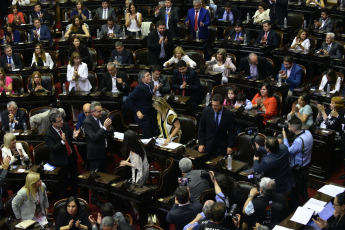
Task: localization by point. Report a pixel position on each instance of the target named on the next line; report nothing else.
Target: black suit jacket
(182, 215)
(108, 84)
(235, 12)
(20, 116)
(127, 56)
(46, 16)
(280, 8)
(95, 138)
(165, 88)
(83, 51)
(265, 68)
(232, 34)
(154, 48)
(15, 59)
(140, 99)
(58, 151)
(272, 38)
(217, 141)
(173, 20)
(193, 82)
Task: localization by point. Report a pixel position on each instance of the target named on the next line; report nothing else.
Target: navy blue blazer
(295, 78)
(276, 166)
(16, 36)
(272, 38)
(81, 118)
(127, 56)
(204, 17)
(182, 215)
(44, 33)
(75, 12)
(20, 116)
(15, 58)
(193, 82)
(140, 99)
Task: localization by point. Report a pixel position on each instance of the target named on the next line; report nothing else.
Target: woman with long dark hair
(77, 46)
(11, 34)
(78, 28)
(332, 79)
(265, 101)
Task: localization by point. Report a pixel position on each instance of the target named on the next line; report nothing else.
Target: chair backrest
(47, 78)
(23, 35)
(226, 32)
(246, 186)
(213, 34)
(61, 204)
(167, 180)
(39, 110)
(8, 211)
(21, 57)
(93, 58)
(117, 121)
(105, 112)
(295, 20)
(183, 29)
(146, 11)
(141, 56)
(221, 89)
(197, 56)
(129, 219)
(304, 76)
(41, 153)
(279, 99)
(245, 151)
(92, 77)
(270, 61)
(188, 128)
(133, 59)
(313, 43)
(152, 227)
(55, 56)
(280, 36)
(208, 194)
(17, 82)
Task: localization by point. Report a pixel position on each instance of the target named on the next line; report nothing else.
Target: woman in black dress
(78, 28)
(76, 46)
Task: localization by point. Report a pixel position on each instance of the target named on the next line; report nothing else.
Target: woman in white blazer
(14, 150)
(223, 65)
(41, 58)
(178, 55)
(77, 74)
(31, 201)
(262, 14)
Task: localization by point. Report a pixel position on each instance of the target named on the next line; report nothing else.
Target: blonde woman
(180, 54)
(223, 65)
(169, 125)
(77, 74)
(37, 83)
(41, 58)
(14, 150)
(31, 201)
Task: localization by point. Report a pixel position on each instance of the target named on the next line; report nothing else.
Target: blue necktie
(166, 17)
(9, 60)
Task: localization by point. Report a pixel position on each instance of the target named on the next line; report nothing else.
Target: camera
(256, 178)
(233, 211)
(183, 181)
(252, 131)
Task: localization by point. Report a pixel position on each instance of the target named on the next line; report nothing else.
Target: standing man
(170, 14)
(97, 130)
(199, 19)
(160, 83)
(62, 152)
(12, 116)
(160, 45)
(10, 60)
(140, 102)
(278, 10)
(217, 131)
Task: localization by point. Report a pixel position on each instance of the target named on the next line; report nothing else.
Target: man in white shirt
(105, 11)
(325, 23)
(160, 84)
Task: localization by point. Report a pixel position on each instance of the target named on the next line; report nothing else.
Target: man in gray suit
(105, 12)
(325, 23)
(330, 47)
(110, 29)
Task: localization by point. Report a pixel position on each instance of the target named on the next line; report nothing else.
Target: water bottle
(115, 60)
(66, 17)
(328, 93)
(124, 31)
(245, 42)
(29, 37)
(90, 15)
(305, 24)
(11, 128)
(137, 35)
(4, 40)
(285, 23)
(98, 34)
(248, 17)
(279, 80)
(197, 35)
(30, 19)
(341, 6)
(64, 89)
(63, 34)
(6, 20)
(25, 127)
(229, 162)
(208, 98)
(299, 2)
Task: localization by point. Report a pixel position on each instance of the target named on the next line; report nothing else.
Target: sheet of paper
(302, 215)
(315, 205)
(327, 211)
(48, 167)
(331, 190)
(171, 145)
(21, 170)
(119, 135)
(146, 141)
(277, 227)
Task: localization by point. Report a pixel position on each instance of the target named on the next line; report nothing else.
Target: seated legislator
(110, 29)
(325, 23)
(16, 17)
(168, 123)
(180, 54)
(238, 32)
(82, 115)
(291, 73)
(262, 14)
(319, 3)
(40, 32)
(21, 2)
(133, 20)
(12, 116)
(301, 41)
(121, 55)
(255, 66)
(217, 132)
(105, 11)
(267, 36)
(10, 60)
(37, 83)
(42, 14)
(275, 164)
(72, 216)
(137, 159)
(14, 150)
(41, 58)
(330, 118)
(302, 110)
(77, 74)
(186, 82)
(5, 82)
(80, 10)
(160, 84)
(332, 79)
(330, 47)
(41, 122)
(228, 13)
(77, 28)
(223, 65)
(11, 34)
(77, 46)
(264, 101)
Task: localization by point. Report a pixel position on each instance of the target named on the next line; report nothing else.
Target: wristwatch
(250, 195)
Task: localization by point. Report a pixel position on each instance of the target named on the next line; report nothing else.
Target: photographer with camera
(275, 164)
(300, 155)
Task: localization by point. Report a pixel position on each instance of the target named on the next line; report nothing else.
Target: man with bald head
(82, 115)
(255, 66)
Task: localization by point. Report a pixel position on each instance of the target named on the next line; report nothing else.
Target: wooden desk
(26, 101)
(12, 223)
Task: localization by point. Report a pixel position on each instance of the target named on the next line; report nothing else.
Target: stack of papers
(302, 215)
(48, 167)
(25, 224)
(277, 227)
(171, 145)
(145, 141)
(331, 190)
(118, 135)
(316, 205)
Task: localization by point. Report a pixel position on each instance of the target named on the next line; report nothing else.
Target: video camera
(252, 131)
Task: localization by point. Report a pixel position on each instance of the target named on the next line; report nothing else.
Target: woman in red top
(16, 17)
(265, 101)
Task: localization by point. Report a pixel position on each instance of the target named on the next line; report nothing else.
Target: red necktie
(236, 39)
(266, 34)
(196, 21)
(184, 90)
(68, 148)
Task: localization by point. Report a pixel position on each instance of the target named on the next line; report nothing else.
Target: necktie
(328, 48)
(99, 123)
(217, 120)
(196, 21)
(266, 34)
(166, 17)
(183, 80)
(237, 35)
(9, 60)
(150, 89)
(68, 148)
(227, 16)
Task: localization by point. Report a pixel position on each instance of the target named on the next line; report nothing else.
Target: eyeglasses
(59, 121)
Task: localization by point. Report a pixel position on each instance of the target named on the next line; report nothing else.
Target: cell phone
(182, 180)
(251, 176)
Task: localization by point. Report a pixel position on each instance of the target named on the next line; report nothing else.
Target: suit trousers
(147, 126)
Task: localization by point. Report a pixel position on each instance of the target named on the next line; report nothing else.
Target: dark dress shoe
(342, 177)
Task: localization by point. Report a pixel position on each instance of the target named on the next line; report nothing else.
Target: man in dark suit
(160, 45)
(140, 102)
(267, 36)
(275, 164)
(237, 34)
(13, 115)
(331, 48)
(121, 55)
(62, 152)
(105, 12)
(110, 29)
(160, 83)
(255, 66)
(97, 132)
(41, 14)
(325, 23)
(186, 82)
(10, 60)
(228, 13)
(169, 14)
(217, 132)
(40, 32)
(278, 10)
(199, 19)
(184, 210)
